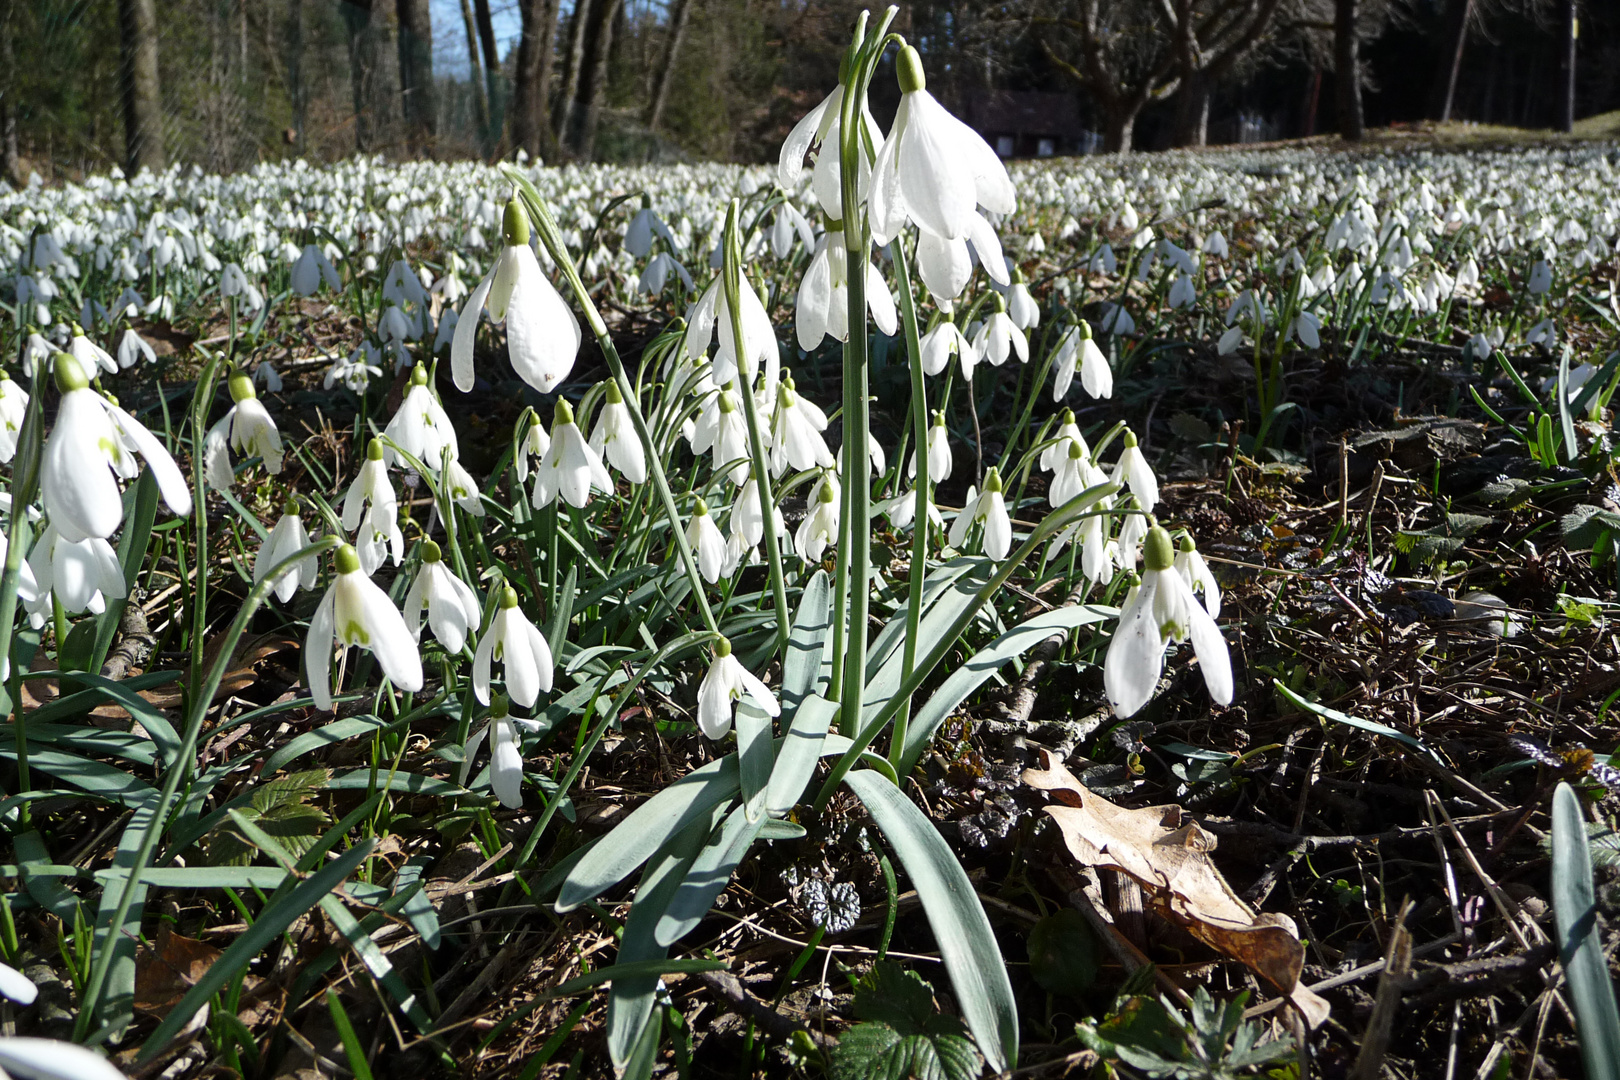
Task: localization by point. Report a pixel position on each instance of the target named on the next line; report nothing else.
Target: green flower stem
(201, 401)
(922, 485)
(24, 484)
(732, 282)
(197, 709)
(540, 216)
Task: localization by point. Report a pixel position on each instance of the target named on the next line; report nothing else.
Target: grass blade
(1580, 943)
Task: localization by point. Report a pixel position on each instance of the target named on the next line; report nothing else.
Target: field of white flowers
(448, 628)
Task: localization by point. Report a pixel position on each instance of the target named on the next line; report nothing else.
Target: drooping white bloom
(451, 605)
(725, 684)
(656, 276)
(939, 452)
(932, 169)
(355, 611)
(1021, 306)
(505, 753)
(945, 266)
(521, 649)
(1074, 474)
(796, 432)
(614, 437)
(82, 574)
(988, 509)
(1133, 471)
(787, 224)
(639, 234)
(36, 350)
(1079, 349)
(13, 410)
(707, 543)
(357, 371)
(29, 1058)
(542, 334)
(1308, 327)
(233, 281)
(132, 348)
(820, 525)
(535, 444)
(1195, 572)
(571, 467)
(248, 429)
(821, 308)
(17, 987)
(371, 507)
(711, 315)
(722, 429)
(822, 127)
(90, 355)
(89, 445)
(421, 427)
(287, 538)
(1540, 278)
(1163, 610)
(940, 343)
(998, 338)
(1068, 431)
(311, 268)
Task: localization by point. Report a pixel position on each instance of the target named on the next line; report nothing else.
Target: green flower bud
(345, 560)
(69, 374)
(516, 224)
(431, 552)
(241, 387)
(374, 450)
(908, 70)
(1158, 551)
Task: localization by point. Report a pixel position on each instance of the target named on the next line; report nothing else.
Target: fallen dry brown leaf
(1167, 853)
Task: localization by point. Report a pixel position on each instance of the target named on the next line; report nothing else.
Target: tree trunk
(534, 63)
(1566, 67)
(1118, 127)
(10, 159)
(416, 88)
(666, 70)
(143, 97)
(298, 96)
(593, 91)
(1347, 71)
(1444, 95)
(492, 72)
(357, 17)
(567, 100)
(1192, 110)
(476, 76)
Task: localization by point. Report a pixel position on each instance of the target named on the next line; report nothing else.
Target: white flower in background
(932, 169)
(452, 607)
(1540, 278)
(445, 335)
(505, 753)
(311, 268)
(542, 334)
(638, 236)
(248, 429)
(1195, 572)
(1308, 328)
(234, 282)
(722, 429)
(796, 432)
(13, 410)
(941, 343)
(1544, 333)
(712, 313)
(88, 447)
(132, 348)
(1231, 340)
(355, 611)
(707, 543)
(1068, 432)
(421, 427)
(725, 684)
(1116, 320)
(401, 286)
(1182, 292)
(1022, 309)
(357, 371)
(1163, 610)
(945, 266)
(1074, 474)
(17, 987)
(939, 452)
(520, 648)
(1132, 531)
(371, 510)
(36, 350)
(82, 574)
(571, 467)
(656, 276)
(748, 516)
(90, 355)
(787, 224)
(1133, 471)
(998, 338)
(28, 1058)
(820, 526)
(1079, 350)
(533, 449)
(614, 437)
(1103, 261)
(988, 509)
(287, 538)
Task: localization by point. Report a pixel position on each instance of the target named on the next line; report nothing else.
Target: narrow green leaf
(338, 731)
(708, 876)
(352, 1050)
(796, 761)
(804, 670)
(1580, 942)
(1355, 722)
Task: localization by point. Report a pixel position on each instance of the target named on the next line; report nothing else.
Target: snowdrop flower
(614, 437)
(452, 607)
(787, 224)
(505, 753)
(726, 683)
(820, 525)
(1132, 470)
(421, 427)
(355, 611)
(1103, 261)
(1068, 432)
(1078, 349)
(445, 335)
(248, 429)
(1231, 340)
(985, 508)
(1162, 611)
(520, 647)
(90, 355)
(1308, 327)
(13, 410)
(1540, 278)
(371, 507)
(35, 350)
(542, 334)
(82, 574)
(939, 452)
(1544, 333)
(1132, 531)
(638, 236)
(656, 275)
(1182, 293)
(748, 516)
(28, 1058)
(17, 987)
(1022, 309)
(932, 169)
(534, 446)
(1074, 474)
(462, 489)
(821, 307)
(90, 443)
(1116, 320)
(233, 282)
(311, 268)
(1195, 572)
(571, 466)
(796, 432)
(998, 338)
(722, 428)
(357, 371)
(822, 127)
(945, 266)
(287, 538)
(704, 536)
(712, 312)
(941, 343)
(132, 348)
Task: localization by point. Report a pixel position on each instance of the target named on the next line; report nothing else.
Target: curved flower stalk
(571, 466)
(247, 428)
(371, 510)
(450, 604)
(724, 685)
(986, 508)
(520, 648)
(286, 539)
(88, 448)
(1163, 610)
(614, 437)
(355, 611)
(542, 334)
